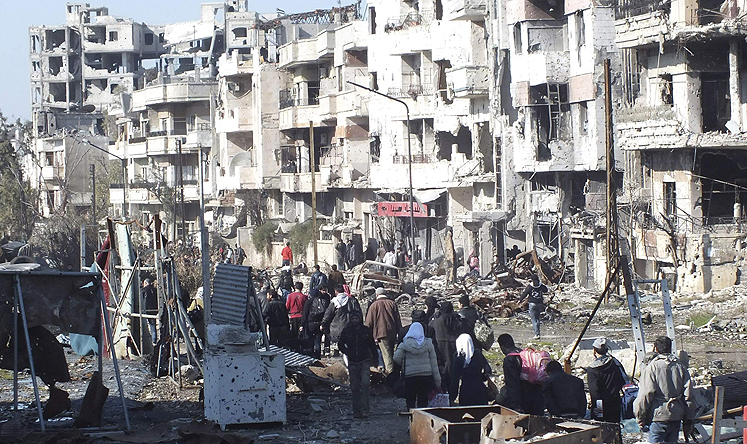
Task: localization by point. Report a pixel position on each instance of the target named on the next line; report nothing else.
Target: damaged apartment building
(166, 127)
(682, 125)
(78, 71)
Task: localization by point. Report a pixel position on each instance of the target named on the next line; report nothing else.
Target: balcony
(199, 136)
(465, 9)
(406, 21)
(299, 52)
(236, 64)
(469, 81)
(172, 92)
(541, 67)
(235, 120)
(299, 182)
(53, 173)
(412, 90)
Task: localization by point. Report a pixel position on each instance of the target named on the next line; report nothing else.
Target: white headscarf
(340, 300)
(416, 332)
(465, 347)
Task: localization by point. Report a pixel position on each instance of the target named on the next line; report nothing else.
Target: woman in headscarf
(417, 357)
(469, 371)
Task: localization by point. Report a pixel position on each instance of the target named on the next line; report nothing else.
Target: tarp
(425, 196)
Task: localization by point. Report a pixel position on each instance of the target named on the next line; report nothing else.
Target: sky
(15, 89)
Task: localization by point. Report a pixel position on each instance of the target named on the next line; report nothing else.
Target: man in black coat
(447, 327)
(467, 311)
(357, 343)
(564, 394)
(606, 377)
(520, 395)
(277, 319)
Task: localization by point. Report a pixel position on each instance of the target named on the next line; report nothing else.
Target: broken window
(58, 92)
(149, 38)
(463, 140)
(375, 148)
(670, 199)
(546, 37)
(54, 39)
(113, 36)
(411, 71)
(443, 87)
(439, 10)
(518, 45)
(583, 119)
(239, 33)
(549, 115)
(340, 82)
(715, 100)
(665, 89)
(55, 65)
(374, 81)
(49, 157)
(161, 38)
(543, 182)
(631, 71)
(723, 178)
(485, 141)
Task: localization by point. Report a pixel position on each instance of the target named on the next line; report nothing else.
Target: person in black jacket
(520, 395)
(311, 320)
(469, 371)
(467, 311)
(533, 293)
(447, 327)
(564, 394)
(606, 377)
(277, 319)
(150, 300)
(337, 315)
(357, 343)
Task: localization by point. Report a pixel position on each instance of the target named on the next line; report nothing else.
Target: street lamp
(124, 174)
(409, 159)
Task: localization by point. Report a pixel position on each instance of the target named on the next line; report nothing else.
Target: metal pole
(611, 231)
(181, 190)
(93, 193)
(108, 330)
(313, 190)
(204, 246)
(22, 309)
(412, 209)
(409, 158)
(15, 360)
(82, 247)
(124, 188)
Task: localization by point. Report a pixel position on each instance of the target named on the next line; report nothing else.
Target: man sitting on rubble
(664, 395)
(518, 394)
(383, 319)
(606, 377)
(357, 344)
(564, 394)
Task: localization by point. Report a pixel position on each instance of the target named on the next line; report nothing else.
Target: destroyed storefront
(391, 221)
(688, 217)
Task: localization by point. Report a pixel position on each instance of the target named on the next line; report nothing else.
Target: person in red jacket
(294, 304)
(287, 254)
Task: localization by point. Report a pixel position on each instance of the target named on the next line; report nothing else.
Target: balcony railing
(413, 90)
(632, 8)
(287, 100)
(399, 159)
(408, 20)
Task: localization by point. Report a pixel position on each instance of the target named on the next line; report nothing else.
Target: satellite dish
(87, 108)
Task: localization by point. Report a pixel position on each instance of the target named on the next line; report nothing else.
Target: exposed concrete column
(734, 81)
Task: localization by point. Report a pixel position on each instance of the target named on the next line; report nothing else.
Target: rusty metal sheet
(450, 425)
(68, 300)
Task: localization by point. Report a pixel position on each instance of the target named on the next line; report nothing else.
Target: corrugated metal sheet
(293, 359)
(230, 294)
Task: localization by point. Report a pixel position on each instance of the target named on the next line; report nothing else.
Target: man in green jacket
(664, 394)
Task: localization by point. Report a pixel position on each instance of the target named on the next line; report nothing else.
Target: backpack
(317, 310)
(533, 364)
(630, 392)
(484, 334)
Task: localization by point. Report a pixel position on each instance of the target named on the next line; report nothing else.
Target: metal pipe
(409, 160)
(22, 309)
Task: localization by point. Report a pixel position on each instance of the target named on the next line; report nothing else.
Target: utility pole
(313, 189)
(180, 182)
(409, 159)
(204, 245)
(613, 249)
(93, 194)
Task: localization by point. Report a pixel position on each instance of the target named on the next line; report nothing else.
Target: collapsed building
(504, 126)
(681, 126)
